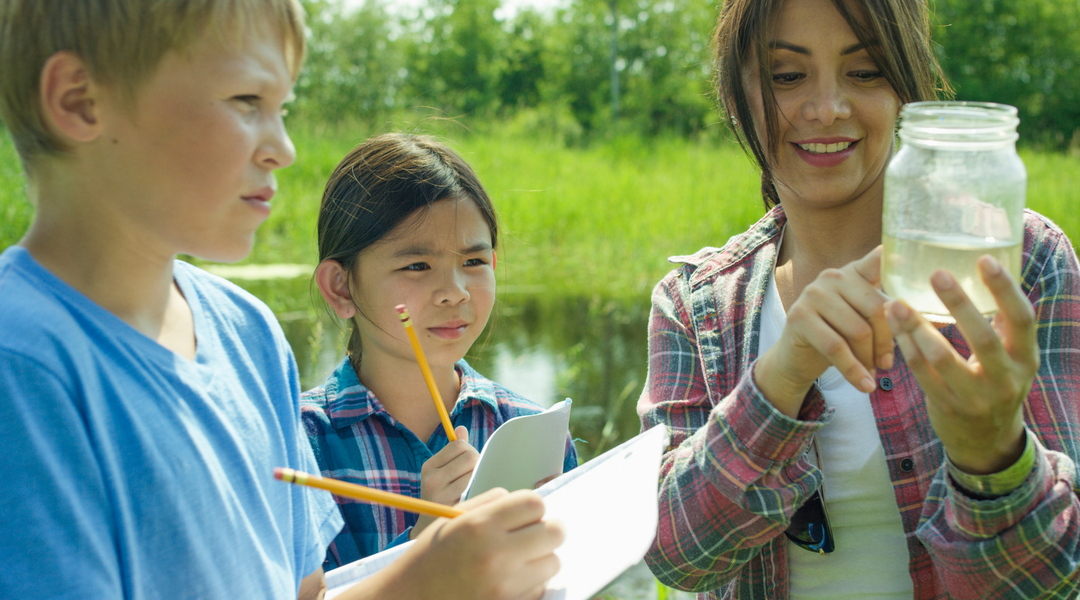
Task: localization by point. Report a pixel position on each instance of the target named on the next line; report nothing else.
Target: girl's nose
(454, 290)
(826, 103)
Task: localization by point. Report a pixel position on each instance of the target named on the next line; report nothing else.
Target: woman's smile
(825, 152)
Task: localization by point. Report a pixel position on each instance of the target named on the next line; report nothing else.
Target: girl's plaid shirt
(734, 473)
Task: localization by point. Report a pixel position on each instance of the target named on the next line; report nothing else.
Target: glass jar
(954, 191)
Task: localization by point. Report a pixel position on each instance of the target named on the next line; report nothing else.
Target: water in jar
(911, 257)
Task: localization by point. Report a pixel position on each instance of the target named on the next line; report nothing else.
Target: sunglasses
(809, 528)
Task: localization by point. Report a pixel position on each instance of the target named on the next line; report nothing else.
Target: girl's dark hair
(896, 33)
(379, 185)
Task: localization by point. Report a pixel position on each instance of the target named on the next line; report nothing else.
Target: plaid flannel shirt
(735, 471)
(356, 440)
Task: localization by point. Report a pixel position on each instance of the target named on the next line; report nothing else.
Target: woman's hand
(444, 476)
(839, 319)
(975, 405)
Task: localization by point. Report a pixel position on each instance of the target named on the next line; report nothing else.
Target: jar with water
(954, 191)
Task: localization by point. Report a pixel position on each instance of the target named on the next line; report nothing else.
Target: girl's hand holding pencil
(444, 476)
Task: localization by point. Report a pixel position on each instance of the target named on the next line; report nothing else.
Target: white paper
(344, 577)
(522, 451)
(608, 506)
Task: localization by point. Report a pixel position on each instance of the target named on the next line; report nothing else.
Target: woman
(949, 456)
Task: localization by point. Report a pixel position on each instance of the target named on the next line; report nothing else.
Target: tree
(355, 65)
(454, 57)
(1026, 54)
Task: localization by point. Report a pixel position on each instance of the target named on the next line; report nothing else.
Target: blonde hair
(121, 41)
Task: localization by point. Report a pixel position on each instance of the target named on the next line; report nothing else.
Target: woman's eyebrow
(782, 45)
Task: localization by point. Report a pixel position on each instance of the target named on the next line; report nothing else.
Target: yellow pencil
(439, 406)
(351, 490)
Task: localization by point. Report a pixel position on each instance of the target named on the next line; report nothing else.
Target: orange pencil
(351, 490)
(407, 322)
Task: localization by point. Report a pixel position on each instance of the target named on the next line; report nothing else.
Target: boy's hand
(445, 475)
(499, 550)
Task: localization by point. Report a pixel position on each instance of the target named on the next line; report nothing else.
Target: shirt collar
(348, 401)
(709, 261)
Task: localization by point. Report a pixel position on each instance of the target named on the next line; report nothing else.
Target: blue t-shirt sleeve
(323, 517)
(57, 535)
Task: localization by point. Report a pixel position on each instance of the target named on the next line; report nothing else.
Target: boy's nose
(277, 150)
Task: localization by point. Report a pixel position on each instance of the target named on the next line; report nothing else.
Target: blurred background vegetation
(597, 67)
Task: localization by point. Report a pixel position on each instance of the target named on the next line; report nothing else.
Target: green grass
(602, 218)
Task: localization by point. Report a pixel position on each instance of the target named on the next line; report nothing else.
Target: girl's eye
(475, 262)
(247, 98)
(417, 267)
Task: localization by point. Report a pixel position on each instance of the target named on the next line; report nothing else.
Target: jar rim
(958, 124)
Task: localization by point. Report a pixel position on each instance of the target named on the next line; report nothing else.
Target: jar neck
(959, 125)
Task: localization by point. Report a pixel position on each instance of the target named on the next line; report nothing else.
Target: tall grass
(601, 218)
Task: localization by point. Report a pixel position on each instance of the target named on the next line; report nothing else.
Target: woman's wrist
(998, 484)
(986, 459)
(783, 394)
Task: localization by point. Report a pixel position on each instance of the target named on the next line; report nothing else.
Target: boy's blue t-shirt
(131, 472)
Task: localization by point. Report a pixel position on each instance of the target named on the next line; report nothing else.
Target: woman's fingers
(871, 304)
(1016, 316)
(823, 333)
(909, 326)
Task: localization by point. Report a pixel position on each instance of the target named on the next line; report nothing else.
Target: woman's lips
(827, 159)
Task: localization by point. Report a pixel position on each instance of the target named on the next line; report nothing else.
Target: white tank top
(871, 557)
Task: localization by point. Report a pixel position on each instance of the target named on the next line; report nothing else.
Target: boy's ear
(70, 98)
(333, 284)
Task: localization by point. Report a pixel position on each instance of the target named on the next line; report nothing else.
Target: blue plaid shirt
(356, 440)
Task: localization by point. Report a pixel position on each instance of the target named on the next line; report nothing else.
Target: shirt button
(885, 383)
(907, 465)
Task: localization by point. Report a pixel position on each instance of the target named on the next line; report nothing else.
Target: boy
(143, 402)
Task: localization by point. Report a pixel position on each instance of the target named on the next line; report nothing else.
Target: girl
(404, 220)
(781, 343)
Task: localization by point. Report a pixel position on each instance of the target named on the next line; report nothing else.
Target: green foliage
(467, 60)
(1026, 54)
(355, 66)
(455, 59)
(15, 210)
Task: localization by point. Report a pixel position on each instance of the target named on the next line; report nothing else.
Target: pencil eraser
(279, 473)
(400, 308)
